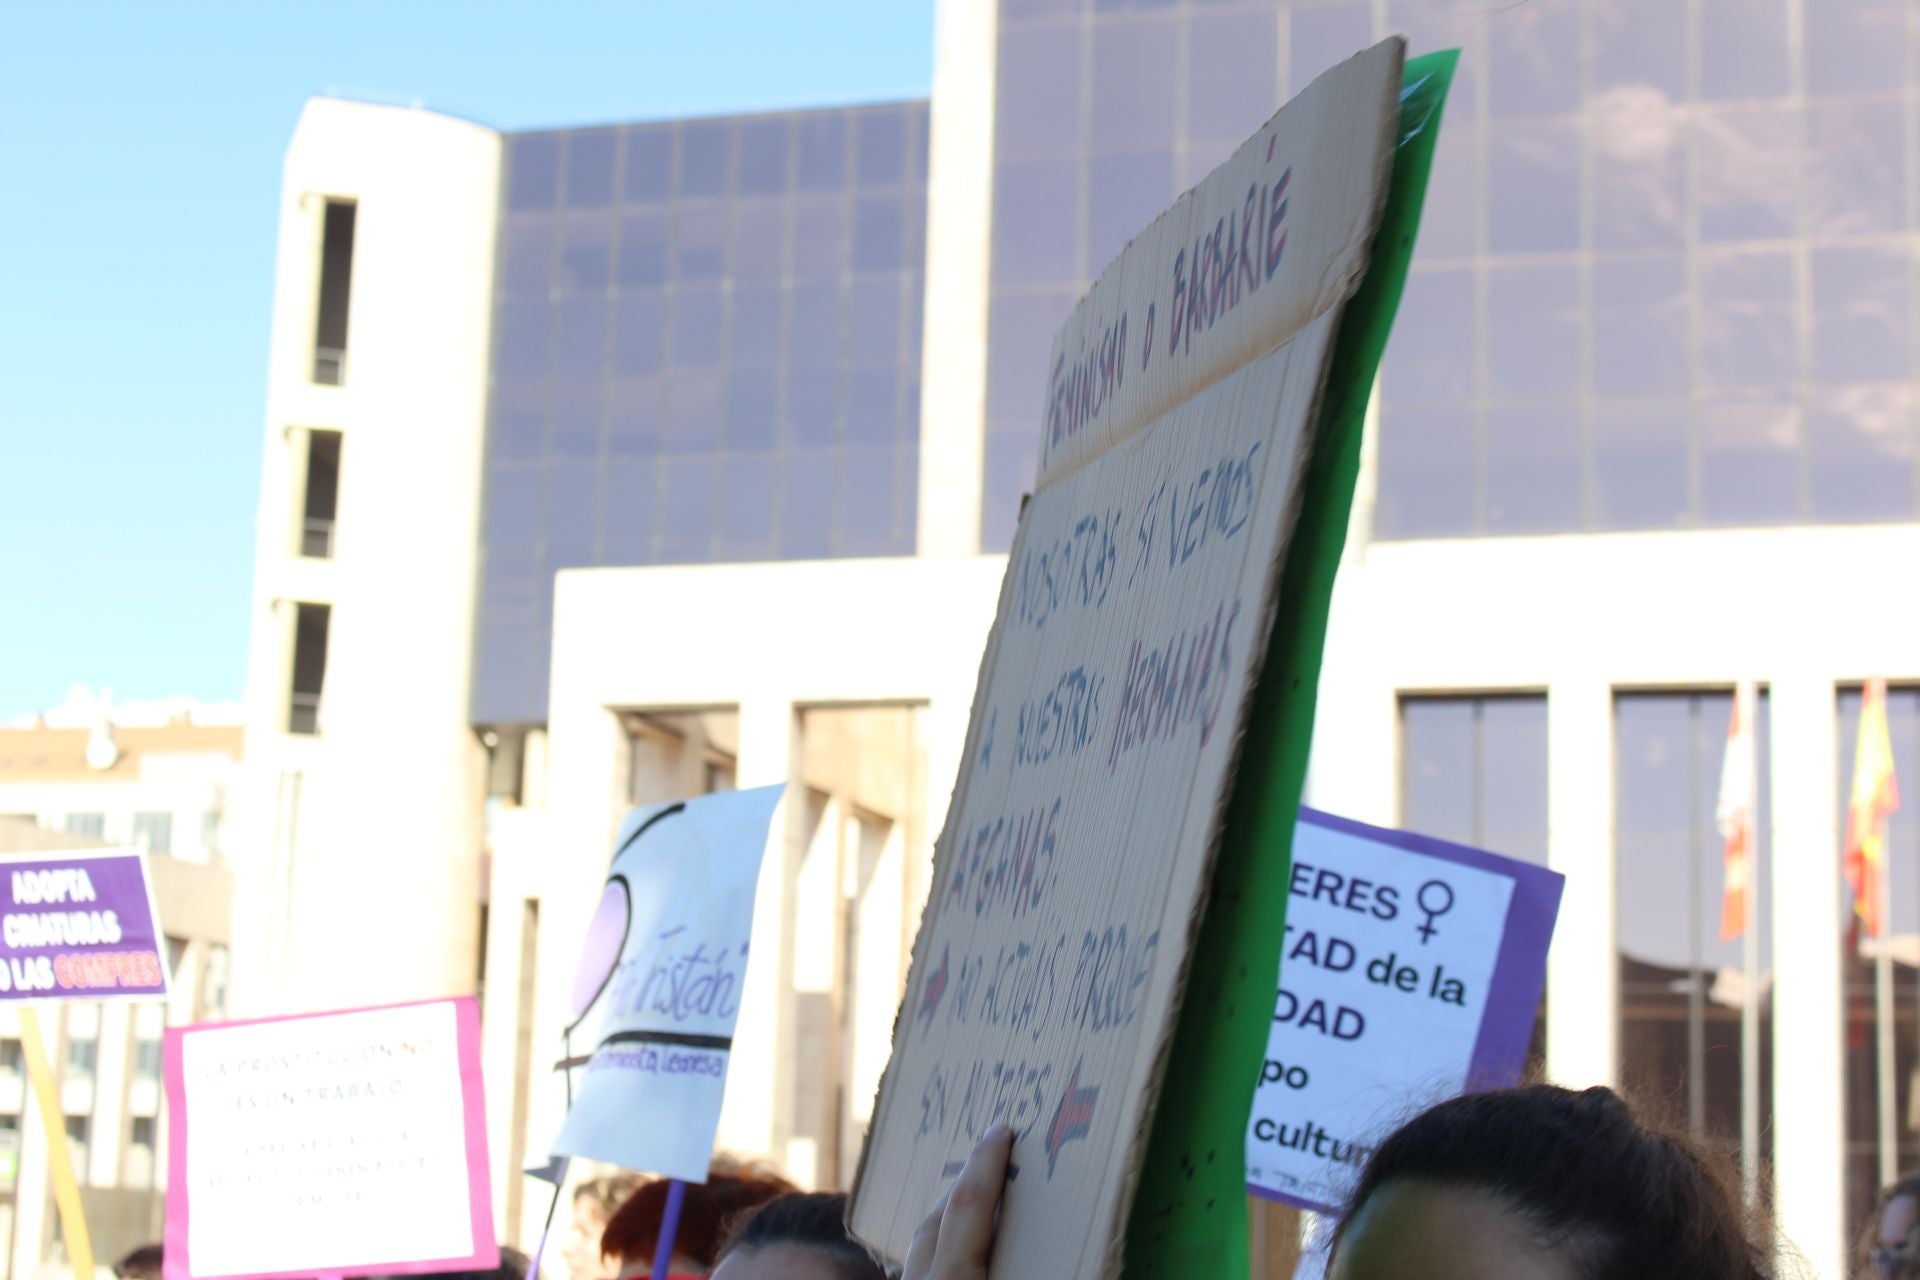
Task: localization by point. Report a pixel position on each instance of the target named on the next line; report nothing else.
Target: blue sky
(141, 145)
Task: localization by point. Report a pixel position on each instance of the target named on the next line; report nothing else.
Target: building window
(1682, 985)
(79, 1129)
(309, 667)
(1474, 770)
(82, 1058)
(9, 1149)
(140, 1150)
(323, 494)
(1868, 1152)
(336, 280)
(153, 832)
(216, 988)
(12, 1060)
(87, 824)
(147, 1060)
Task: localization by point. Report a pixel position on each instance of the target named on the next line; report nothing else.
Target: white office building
(616, 463)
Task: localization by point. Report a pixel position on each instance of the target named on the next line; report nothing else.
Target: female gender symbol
(1426, 929)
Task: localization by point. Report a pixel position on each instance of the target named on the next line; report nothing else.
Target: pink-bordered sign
(348, 1143)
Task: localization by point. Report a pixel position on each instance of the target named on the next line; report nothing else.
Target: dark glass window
(1533, 54)
(1037, 110)
(1427, 472)
(1856, 180)
(533, 171)
(1533, 468)
(1474, 770)
(705, 159)
(1133, 84)
(1432, 354)
(1860, 450)
(1533, 330)
(764, 148)
(1681, 985)
(590, 163)
(821, 151)
(1640, 463)
(1746, 56)
(649, 164)
(1856, 47)
(1232, 74)
(1860, 313)
(1640, 326)
(1862, 1030)
(1749, 458)
(1534, 187)
(880, 142)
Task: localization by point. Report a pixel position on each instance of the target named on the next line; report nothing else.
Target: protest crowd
(1065, 1089)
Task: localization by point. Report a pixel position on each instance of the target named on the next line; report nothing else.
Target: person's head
(593, 1203)
(802, 1236)
(143, 1263)
(1890, 1249)
(634, 1230)
(1542, 1183)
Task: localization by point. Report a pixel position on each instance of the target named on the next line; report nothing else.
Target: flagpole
(1750, 958)
(1883, 1016)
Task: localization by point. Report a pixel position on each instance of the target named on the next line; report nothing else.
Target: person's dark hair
(1582, 1172)
(1907, 1187)
(815, 1220)
(143, 1263)
(634, 1229)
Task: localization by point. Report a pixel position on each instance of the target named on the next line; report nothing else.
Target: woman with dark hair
(1890, 1248)
(1543, 1183)
(1533, 1183)
(802, 1236)
(634, 1230)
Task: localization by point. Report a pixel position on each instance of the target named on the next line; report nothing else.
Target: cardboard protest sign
(79, 926)
(658, 989)
(1189, 1214)
(346, 1144)
(1412, 972)
(1069, 882)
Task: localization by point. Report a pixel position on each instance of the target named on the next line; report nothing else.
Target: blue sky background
(140, 146)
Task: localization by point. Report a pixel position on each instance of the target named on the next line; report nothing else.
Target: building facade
(616, 462)
(160, 779)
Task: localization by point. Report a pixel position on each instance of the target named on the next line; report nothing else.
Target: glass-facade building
(1664, 276)
(1665, 281)
(706, 348)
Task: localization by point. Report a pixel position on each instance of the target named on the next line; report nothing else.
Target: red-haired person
(633, 1233)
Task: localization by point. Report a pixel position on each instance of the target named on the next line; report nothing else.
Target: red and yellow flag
(1735, 817)
(1875, 795)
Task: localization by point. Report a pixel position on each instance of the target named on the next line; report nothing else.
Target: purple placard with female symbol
(1411, 972)
(79, 926)
(658, 989)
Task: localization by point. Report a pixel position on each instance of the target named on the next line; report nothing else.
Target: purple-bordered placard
(80, 926)
(485, 1255)
(1520, 964)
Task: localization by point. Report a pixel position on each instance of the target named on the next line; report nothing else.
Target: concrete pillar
(959, 222)
(1583, 966)
(1809, 1079)
(757, 1118)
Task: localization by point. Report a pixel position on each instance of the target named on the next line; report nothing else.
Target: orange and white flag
(1735, 816)
(1875, 795)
